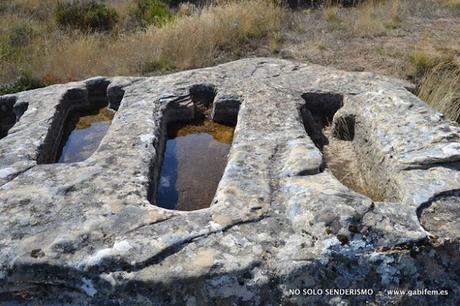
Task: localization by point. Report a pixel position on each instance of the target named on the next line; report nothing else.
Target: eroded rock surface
(86, 233)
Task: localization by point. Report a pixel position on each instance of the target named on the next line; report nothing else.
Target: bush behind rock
(150, 12)
(85, 16)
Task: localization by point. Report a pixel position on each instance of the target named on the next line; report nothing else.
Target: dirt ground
(421, 26)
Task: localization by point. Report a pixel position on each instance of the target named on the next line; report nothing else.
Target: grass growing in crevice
(437, 75)
(440, 88)
(423, 61)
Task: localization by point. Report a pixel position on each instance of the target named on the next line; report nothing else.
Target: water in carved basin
(85, 132)
(193, 164)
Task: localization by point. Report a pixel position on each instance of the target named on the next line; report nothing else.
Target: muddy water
(84, 134)
(194, 161)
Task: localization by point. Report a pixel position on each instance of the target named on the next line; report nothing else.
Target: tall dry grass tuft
(186, 9)
(395, 15)
(196, 40)
(425, 58)
(331, 13)
(367, 22)
(440, 88)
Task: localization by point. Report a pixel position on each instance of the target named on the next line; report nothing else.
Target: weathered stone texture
(86, 233)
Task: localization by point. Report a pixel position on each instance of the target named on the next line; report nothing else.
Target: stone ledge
(87, 233)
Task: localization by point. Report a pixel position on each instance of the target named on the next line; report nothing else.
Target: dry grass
(187, 9)
(379, 36)
(331, 13)
(343, 162)
(425, 58)
(372, 17)
(197, 39)
(422, 61)
(368, 22)
(451, 3)
(29, 4)
(438, 77)
(440, 87)
(395, 15)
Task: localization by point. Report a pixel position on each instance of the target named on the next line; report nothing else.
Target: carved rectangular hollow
(333, 134)
(193, 150)
(81, 121)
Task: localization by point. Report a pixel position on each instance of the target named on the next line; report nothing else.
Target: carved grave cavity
(84, 132)
(334, 135)
(85, 109)
(194, 149)
(283, 215)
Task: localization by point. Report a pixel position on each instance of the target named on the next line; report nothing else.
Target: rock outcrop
(87, 232)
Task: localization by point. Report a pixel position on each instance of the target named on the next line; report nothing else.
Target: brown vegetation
(440, 87)
(195, 39)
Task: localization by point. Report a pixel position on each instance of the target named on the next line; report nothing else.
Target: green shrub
(86, 16)
(24, 82)
(152, 12)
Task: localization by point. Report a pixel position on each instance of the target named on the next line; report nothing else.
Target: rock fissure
(176, 247)
(11, 176)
